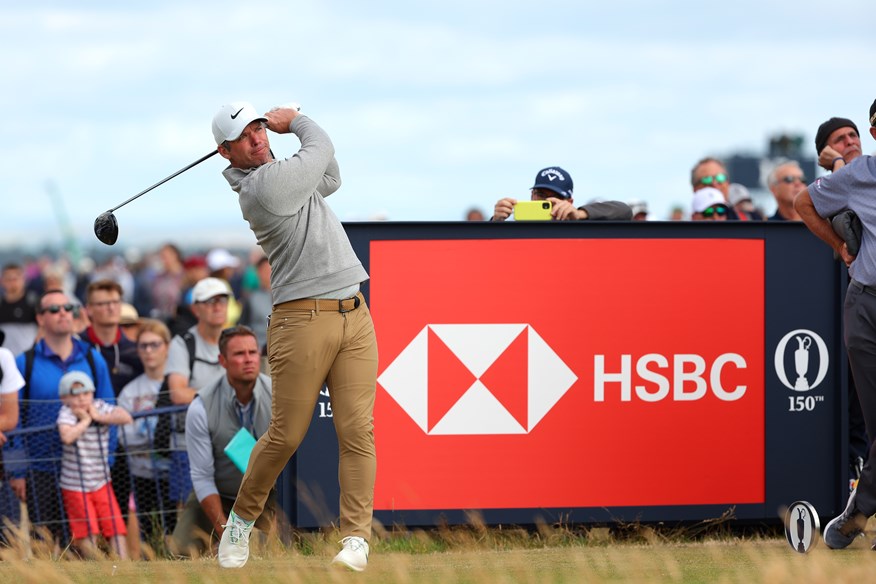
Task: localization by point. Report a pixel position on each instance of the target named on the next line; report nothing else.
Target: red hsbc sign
(568, 373)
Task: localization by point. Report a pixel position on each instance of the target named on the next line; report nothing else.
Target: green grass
(744, 561)
(477, 554)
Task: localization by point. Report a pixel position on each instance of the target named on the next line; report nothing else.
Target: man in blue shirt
(35, 477)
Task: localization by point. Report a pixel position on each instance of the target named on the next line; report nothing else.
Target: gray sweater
(283, 201)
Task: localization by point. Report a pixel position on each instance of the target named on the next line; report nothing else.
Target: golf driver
(106, 227)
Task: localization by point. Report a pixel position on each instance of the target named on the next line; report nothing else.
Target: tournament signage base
(595, 372)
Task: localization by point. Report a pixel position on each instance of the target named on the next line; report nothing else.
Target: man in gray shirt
(321, 329)
(240, 399)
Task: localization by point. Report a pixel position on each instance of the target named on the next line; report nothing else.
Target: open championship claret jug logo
(483, 379)
(810, 360)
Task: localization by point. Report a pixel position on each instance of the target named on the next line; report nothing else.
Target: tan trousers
(308, 345)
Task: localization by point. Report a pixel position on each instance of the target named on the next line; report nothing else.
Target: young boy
(83, 424)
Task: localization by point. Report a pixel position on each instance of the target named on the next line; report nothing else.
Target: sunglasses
(719, 210)
(719, 178)
(153, 346)
(215, 300)
(792, 179)
(56, 308)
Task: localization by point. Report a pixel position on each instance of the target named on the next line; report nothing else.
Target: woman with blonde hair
(149, 468)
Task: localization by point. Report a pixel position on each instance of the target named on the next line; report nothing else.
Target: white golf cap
(232, 118)
(736, 193)
(706, 197)
(74, 383)
(208, 288)
(220, 258)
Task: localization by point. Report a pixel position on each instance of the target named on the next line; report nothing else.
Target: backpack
(25, 391)
(28, 372)
(170, 423)
(163, 427)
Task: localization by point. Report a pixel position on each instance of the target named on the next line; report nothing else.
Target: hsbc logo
(465, 379)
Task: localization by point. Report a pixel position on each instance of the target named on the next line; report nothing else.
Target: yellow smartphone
(532, 211)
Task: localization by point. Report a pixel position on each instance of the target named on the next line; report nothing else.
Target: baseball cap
(128, 314)
(873, 113)
(705, 198)
(554, 179)
(75, 378)
(638, 207)
(220, 258)
(195, 261)
(231, 119)
(208, 288)
(828, 128)
(738, 193)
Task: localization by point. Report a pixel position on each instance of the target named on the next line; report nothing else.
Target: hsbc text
(680, 377)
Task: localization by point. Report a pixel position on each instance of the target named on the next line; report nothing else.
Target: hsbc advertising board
(513, 384)
(610, 376)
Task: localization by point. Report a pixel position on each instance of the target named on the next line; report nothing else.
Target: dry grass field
(479, 555)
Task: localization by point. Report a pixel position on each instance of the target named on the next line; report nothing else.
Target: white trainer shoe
(234, 545)
(354, 555)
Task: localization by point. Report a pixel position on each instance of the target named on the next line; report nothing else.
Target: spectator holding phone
(555, 185)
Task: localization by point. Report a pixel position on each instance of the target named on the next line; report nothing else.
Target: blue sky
(433, 106)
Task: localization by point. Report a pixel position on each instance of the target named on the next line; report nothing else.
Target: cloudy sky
(433, 106)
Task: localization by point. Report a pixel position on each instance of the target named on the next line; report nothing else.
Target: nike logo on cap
(234, 116)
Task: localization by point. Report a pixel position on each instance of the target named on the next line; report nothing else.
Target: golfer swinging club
(320, 328)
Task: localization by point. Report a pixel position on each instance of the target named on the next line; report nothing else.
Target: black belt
(871, 290)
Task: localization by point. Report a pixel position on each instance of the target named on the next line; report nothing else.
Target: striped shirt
(84, 465)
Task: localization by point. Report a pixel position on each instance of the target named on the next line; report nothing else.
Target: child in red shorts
(89, 502)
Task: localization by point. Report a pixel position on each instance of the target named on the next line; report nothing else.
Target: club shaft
(161, 182)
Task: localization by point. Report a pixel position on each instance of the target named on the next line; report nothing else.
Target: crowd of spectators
(122, 332)
(82, 352)
(783, 178)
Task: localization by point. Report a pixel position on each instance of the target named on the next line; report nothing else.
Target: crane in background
(68, 236)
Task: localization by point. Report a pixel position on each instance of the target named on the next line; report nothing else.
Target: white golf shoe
(234, 545)
(354, 554)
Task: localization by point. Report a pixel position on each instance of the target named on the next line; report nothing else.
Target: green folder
(239, 448)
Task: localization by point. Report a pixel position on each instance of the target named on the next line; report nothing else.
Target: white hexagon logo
(464, 379)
